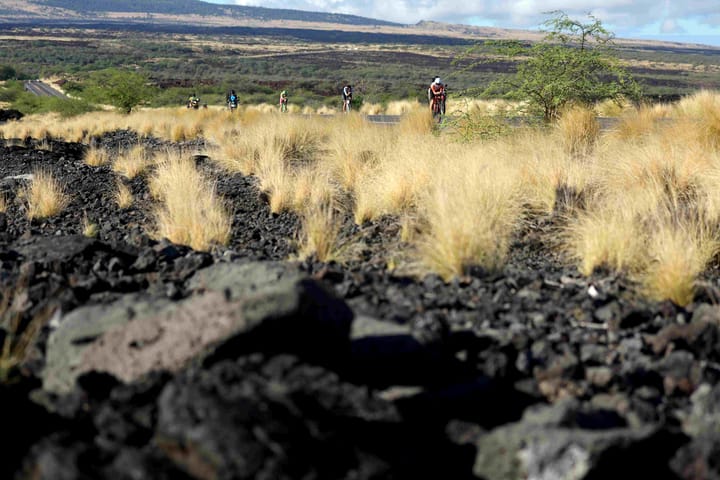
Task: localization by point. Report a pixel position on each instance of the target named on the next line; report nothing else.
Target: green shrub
(28, 103)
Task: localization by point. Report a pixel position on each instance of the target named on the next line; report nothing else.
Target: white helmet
(437, 81)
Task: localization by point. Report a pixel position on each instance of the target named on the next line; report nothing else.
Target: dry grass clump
(123, 195)
(613, 107)
(488, 108)
(189, 213)
(277, 179)
(90, 228)
(132, 162)
(401, 107)
(607, 237)
(351, 156)
(4, 203)
(313, 186)
(96, 157)
(45, 196)
(697, 121)
(655, 213)
(371, 109)
(637, 124)
(578, 130)
(320, 233)
(679, 251)
(471, 210)
(396, 182)
(418, 121)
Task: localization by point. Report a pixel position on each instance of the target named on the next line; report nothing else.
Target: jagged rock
(80, 328)
(567, 442)
(242, 308)
(704, 414)
(698, 459)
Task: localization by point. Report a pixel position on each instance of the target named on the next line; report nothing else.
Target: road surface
(42, 89)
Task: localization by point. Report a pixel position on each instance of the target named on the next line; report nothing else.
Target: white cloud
(620, 15)
(670, 26)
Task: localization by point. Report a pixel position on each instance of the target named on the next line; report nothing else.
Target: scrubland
(640, 198)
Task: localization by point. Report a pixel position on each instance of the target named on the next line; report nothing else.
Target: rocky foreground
(155, 361)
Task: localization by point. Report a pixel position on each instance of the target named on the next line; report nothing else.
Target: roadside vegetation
(641, 199)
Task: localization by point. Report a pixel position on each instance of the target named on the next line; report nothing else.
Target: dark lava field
(127, 357)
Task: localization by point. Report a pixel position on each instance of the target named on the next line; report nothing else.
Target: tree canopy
(120, 88)
(574, 63)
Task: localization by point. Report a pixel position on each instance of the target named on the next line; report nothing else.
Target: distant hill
(136, 9)
(197, 14)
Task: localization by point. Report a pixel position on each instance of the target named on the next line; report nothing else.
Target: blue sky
(687, 21)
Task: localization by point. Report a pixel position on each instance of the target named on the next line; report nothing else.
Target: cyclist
(346, 98)
(193, 101)
(283, 101)
(232, 100)
(436, 96)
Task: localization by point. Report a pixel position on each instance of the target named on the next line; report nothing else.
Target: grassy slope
(311, 54)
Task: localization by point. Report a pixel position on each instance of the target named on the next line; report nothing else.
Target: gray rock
(607, 312)
(234, 309)
(599, 376)
(704, 415)
(546, 444)
(364, 326)
(706, 313)
(83, 326)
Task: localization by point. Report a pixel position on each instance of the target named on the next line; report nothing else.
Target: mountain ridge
(198, 13)
(85, 10)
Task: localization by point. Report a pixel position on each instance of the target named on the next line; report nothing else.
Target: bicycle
(438, 107)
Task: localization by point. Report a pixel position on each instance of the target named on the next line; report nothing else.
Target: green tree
(120, 88)
(574, 63)
(7, 72)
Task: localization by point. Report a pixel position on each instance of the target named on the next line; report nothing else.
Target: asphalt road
(42, 89)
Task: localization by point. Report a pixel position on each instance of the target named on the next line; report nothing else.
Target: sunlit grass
(96, 157)
(123, 195)
(189, 211)
(132, 162)
(45, 196)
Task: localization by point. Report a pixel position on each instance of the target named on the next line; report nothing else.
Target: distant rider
(232, 100)
(346, 98)
(436, 93)
(283, 101)
(193, 101)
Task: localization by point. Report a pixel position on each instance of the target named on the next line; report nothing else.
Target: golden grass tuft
(45, 196)
(418, 121)
(90, 229)
(277, 179)
(678, 253)
(3, 203)
(394, 184)
(578, 130)
(471, 211)
(320, 232)
(610, 238)
(636, 124)
(401, 107)
(123, 195)
(96, 157)
(371, 109)
(613, 107)
(132, 162)
(313, 186)
(190, 212)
